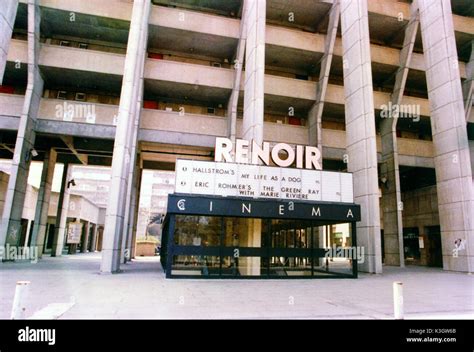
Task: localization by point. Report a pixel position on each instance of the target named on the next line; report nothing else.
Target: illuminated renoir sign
(237, 172)
(246, 153)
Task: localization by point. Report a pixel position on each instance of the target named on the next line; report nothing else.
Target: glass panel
(290, 238)
(290, 266)
(290, 234)
(338, 251)
(195, 265)
(243, 232)
(278, 248)
(197, 231)
(341, 265)
(244, 266)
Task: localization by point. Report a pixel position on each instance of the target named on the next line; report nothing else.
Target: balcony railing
(161, 120)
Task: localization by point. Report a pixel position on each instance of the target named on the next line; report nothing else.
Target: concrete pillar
(392, 205)
(123, 151)
(61, 217)
(238, 64)
(391, 192)
(132, 214)
(451, 148)
(15, 196)
(316, 112)
(255, 17)
(7, 20)
(95, 228)
(360, 128)
(321, 244)
(255, 240)
(139, 84)
(133, 224)
(27, 236)
(85, 238)
(42, 204)
(468, 85)
(250, 236)
(100, 238)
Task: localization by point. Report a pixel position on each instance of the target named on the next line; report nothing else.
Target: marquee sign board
(262, 208)
(255, 181)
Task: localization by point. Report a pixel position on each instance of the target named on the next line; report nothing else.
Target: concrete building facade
(80, 211)
(383, 88)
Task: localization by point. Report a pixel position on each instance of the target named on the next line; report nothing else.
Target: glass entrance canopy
(223, 237)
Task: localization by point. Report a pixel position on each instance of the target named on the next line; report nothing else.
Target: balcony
(98, 68)
(161, 121)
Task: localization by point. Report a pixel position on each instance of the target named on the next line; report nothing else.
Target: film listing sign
(256, 181)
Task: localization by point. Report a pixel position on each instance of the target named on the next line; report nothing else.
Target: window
(211, 111)
(155, 56)
(150, 104)
(216, 64)
(294, 121)
(80, 96)
(62, 94)
(302, 77)
(83, 45)
(64, 43)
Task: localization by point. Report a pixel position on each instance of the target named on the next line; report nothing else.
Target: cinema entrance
(237, 238)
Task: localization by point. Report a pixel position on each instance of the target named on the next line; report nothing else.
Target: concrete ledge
(9, 123)
(75, 129)
(166, 137)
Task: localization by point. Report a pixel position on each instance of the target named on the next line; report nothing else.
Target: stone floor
(142, 292)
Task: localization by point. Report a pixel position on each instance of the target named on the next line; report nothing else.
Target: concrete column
(100, 238)
(123, 151)
(238, 64)
(42, 204)
(7, 20)
(27, 237)
(468, 85)
(126, 256)
(321, 244)
(134, 223)
(250, 236)
(94, 237)
(15, 196)
(316, 112)
(360, 128)
(392, 205)
(132, 214)
(85, 239)
(61, 217)
(391, 193)
(255, 240)
(451, 148)
(133, 173)
(255, 17)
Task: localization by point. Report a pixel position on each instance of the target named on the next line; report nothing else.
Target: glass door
(290, 251)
